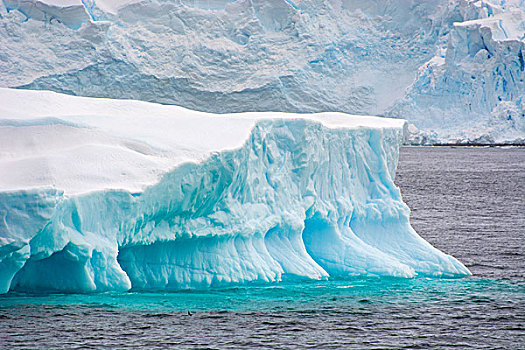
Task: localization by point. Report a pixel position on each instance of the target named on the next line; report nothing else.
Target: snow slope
(401, 58)
(99, 194)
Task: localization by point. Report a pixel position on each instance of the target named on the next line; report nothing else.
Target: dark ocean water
(469, 202)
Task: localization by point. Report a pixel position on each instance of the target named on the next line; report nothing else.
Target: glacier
(473, 90)
(453, 68)
(111, 195)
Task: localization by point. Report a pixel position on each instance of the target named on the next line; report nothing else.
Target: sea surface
(468, 202)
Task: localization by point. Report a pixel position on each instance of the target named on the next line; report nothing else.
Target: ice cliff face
(453, 68)
(473, 90)
(223, 56)
(139, 195)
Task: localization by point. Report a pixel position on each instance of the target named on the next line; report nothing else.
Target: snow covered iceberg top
(79, 144)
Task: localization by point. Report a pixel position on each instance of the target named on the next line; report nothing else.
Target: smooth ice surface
(100, 194)
(453, 69)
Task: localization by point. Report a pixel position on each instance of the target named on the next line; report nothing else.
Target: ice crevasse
(101, 194)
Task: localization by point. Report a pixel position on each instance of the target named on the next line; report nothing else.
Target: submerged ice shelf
(100, 194)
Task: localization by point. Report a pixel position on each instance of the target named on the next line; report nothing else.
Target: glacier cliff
(473, 90)
(100, 194)
(454, 69)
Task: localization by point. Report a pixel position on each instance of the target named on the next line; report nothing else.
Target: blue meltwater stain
(318, 295)
(359, 312)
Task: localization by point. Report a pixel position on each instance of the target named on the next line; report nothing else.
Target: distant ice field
(454, 69)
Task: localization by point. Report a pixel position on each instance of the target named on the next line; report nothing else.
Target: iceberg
(102, 195)
(453, 69)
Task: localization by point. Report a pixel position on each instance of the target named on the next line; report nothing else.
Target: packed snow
(454, 69)
(101, 194)
(135, 142)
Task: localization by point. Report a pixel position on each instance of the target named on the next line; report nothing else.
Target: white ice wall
(407, 59)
